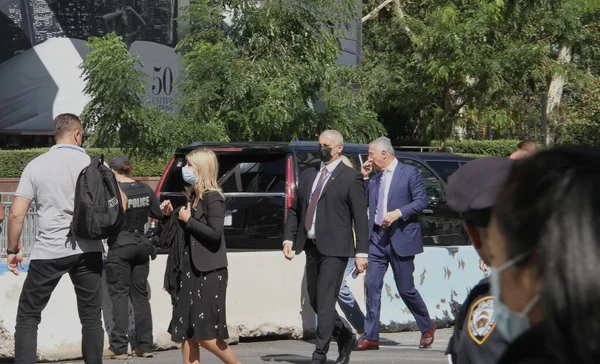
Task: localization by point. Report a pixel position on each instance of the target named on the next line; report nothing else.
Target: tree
(265, 75)
(432, 65)
(121, 115)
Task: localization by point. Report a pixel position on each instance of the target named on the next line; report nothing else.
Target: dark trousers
(127, 269)
(85, 271)
(380, 255)
(324, 276)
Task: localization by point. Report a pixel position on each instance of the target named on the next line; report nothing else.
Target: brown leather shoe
(427, 338)
(365, 345)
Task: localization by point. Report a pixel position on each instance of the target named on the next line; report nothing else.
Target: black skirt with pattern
(199, 308)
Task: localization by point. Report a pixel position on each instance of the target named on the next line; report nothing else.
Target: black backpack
(98, 209)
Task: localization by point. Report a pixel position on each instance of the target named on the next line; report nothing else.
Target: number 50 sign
(162, 81)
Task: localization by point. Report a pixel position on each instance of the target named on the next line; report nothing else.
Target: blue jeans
(348, 303)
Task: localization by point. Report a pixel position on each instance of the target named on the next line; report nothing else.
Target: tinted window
(311, 160)
(444, 168)
(238, 172)
(433, 186)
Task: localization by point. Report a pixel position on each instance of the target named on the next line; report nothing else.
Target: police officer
(472, 192)
(128, 265)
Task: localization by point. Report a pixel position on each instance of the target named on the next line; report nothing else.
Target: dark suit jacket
(206, 235)
(342, 202)
(407, 193)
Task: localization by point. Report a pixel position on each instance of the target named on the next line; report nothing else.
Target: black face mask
(325, 153)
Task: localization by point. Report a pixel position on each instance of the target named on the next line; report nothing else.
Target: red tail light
(162, 182)
(164, 176)
(289, 183)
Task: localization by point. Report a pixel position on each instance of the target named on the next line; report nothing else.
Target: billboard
(42, 44)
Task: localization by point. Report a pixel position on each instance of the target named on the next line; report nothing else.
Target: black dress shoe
(317, 361)
(345, 349)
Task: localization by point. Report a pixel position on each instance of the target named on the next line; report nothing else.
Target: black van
(443, 163)
(259, 181)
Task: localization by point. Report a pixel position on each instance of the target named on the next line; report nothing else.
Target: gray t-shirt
(49, 181)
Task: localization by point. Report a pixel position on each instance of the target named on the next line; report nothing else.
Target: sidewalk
(397, 348)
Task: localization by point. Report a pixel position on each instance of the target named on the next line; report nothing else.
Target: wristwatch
(14, 251)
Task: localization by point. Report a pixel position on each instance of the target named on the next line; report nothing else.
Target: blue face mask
(188, 175)
(510, 324)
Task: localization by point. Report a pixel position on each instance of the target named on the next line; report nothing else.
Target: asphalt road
(397, 348)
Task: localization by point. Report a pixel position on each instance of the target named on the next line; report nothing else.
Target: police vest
(138, 206)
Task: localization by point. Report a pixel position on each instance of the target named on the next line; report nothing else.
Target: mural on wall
(42, 43)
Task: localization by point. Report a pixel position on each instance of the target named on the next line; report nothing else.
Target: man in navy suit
(396, 196)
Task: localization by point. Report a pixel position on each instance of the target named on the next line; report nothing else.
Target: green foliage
(121, 115)
(265, 76)
(12, 162)
(500, 147)
(433, 65)
(587, 133)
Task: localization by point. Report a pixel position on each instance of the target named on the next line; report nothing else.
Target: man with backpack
(51, 181)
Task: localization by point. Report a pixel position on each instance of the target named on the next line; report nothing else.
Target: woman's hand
(185, 213)
(166, 207)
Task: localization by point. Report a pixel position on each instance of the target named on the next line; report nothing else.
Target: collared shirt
(49, 180)
(389, 175)
(329, 170)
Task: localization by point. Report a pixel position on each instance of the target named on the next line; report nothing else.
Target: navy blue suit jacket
(407, 193)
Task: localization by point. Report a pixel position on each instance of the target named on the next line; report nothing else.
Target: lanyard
(68, 147)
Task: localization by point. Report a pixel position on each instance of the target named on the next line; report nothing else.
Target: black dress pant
(85, 271)
(324, 275)
(127, 269)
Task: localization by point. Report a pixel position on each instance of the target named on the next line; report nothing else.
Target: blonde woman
(199, 308)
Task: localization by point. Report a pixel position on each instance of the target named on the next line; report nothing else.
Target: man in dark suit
(396, 195)
(330, 201)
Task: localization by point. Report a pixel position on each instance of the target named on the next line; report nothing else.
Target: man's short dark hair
(528, 145)
(64, 123)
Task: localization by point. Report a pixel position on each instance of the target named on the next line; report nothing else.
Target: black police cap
(474, 186)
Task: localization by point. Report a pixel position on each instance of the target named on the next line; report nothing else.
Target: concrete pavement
(397, 348)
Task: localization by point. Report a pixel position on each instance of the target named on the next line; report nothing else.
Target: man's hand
(14, 260)
(185, 213)
(288, 253)
(389, 218)
(366, 168)
(361, 264)
(484, 268)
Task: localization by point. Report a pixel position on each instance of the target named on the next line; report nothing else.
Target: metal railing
(29, 226)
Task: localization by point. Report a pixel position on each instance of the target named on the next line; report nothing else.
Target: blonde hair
(347, 161)
(205, 161)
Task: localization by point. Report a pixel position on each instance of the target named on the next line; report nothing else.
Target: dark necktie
(314, 199)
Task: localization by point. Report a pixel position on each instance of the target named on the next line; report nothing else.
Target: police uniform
(472, 189)
(127, 268)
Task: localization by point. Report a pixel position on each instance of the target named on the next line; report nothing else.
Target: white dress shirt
(389, 175)
(329, 168)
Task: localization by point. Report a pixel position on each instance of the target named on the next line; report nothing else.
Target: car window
(433, 186)
(239, 173)
(310, 159)
(444, 168)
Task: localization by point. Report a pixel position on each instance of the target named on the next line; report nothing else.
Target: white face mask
(188, 175)
(510, 324)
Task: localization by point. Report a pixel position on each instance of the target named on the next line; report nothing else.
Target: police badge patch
(481, 319)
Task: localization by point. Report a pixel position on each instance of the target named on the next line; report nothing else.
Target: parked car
(443, 163)
(259, 181)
